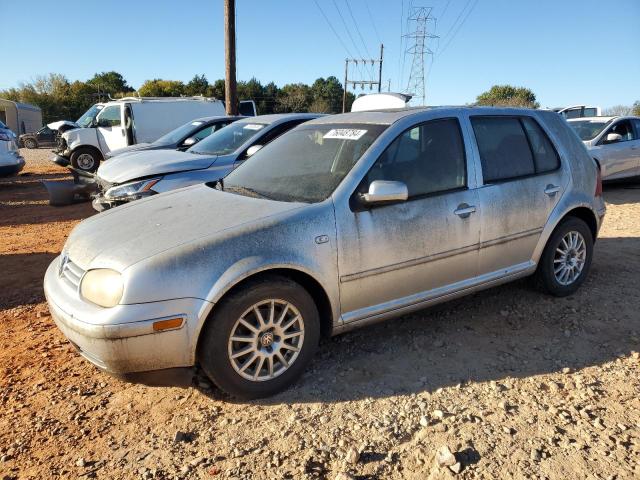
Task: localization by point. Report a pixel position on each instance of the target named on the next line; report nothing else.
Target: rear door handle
(551, 190)
(464, 210)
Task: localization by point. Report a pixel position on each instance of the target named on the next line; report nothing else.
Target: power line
(355, 45)
(460, 26)
(445, 10)
(375, 29)
(456, 20)
(357, 29)
(333, 29)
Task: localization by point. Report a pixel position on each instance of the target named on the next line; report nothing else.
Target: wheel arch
(304, 278)
(587, 216)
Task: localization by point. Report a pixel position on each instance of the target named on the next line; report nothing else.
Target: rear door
(111, 132)
(522, 181)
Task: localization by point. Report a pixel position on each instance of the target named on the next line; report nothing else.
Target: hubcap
(569, 259)
(85, 161)
(266, 340)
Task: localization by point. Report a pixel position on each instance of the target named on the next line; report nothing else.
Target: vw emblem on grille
(63, 263)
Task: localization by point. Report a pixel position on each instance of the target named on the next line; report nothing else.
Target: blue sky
(566, 51)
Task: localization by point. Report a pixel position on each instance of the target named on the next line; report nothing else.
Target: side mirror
(190, 141)
(613, 138)
(385, 191)
(252, 150)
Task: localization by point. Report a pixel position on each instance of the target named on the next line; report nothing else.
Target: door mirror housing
(613, 138)
(190, 141)
(384, 191)
(252, 150)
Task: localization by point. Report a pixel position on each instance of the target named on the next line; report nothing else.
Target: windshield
(588, 129)
(174, 136)
(89, 116)
(305, 164)
(227, 139)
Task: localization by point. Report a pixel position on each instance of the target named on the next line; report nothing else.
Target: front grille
(71, 273)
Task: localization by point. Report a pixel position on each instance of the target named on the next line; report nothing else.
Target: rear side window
(545, 156)
(512, 147)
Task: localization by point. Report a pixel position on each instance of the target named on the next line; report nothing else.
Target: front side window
(622, 128)
(428, 158)
(303, 165)
(109, 116)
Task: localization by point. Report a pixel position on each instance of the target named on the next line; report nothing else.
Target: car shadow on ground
(21, 277)
(507, 331)
(617, 192)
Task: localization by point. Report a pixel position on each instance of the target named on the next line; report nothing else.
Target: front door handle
(464, 210)
(551, 190)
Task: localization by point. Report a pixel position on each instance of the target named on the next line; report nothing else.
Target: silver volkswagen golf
(344, 221)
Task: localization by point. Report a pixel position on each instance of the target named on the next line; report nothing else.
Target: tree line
(60, 98)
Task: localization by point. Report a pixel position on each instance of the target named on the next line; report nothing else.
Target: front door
(111, 133)
(399, 255)
(618, 159)
(522, 183)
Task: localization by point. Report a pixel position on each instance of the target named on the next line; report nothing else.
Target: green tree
(162, 88)
(294, 97)
(327, 95)
(508, 96)
(198, 85)
(216, 90)
(109, 82)
(636, 108)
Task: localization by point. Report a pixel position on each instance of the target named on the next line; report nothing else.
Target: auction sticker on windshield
(345, 133)
(253, 126)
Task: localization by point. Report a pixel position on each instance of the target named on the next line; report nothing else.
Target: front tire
(85, 159)
(566, 259)
(30, 143)
(260, 338)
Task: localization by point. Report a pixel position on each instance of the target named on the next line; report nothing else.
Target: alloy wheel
(570, 257)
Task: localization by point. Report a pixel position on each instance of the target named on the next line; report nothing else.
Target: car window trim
(518, 177)
(421, 195)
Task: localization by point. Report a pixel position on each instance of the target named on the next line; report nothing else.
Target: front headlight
(102, 286)
(137, 189)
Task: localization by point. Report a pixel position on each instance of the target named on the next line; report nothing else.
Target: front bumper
(121, 340)
(11, 163)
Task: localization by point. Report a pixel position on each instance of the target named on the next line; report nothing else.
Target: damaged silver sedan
(344, 221)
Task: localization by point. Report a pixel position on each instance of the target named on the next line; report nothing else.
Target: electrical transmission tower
(421, 19)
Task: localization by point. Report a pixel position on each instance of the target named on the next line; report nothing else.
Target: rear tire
(272, 347)
(30, 143)
(85, 159)
(566, 259)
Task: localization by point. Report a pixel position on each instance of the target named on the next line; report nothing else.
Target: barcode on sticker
(253, 126)
(345, 133)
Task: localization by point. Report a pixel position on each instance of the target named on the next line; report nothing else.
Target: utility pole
(362, 82)
(420, 16)
(230, 93)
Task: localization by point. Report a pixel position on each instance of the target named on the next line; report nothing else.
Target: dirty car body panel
(180, 253)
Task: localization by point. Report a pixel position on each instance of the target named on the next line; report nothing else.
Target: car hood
(138, 147)
(150, 163)
(125, 235)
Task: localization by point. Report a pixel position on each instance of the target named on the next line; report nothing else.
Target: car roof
(593, 119)
(278, 117)
(389, 116)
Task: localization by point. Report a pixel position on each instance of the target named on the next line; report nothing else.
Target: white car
(614, 142)
(10, 160)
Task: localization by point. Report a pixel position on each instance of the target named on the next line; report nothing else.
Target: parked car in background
(578, 111)
(182, 138)
(614, 142)
(11, 162)
(127, 121)
(140, 174)
(344, 221)
(45, 137)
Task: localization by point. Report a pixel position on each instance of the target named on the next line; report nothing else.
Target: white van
(128, 121)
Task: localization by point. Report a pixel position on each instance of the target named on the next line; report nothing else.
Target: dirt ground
(517, 384)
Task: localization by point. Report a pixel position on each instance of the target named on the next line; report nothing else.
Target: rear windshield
(588, 129)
